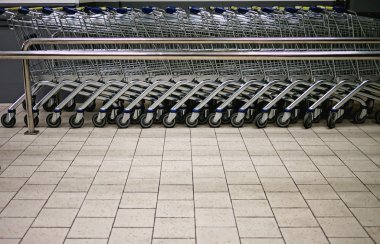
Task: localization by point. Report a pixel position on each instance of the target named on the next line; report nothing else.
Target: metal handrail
(26, 55)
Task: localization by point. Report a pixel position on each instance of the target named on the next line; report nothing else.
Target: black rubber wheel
(166, 123)
(70, 108)
(202, 119)
(52, 124)
(74, 124)
(248, 120)
(10, 123)
(308, 120)
(225, 118)
(377, 117)
(331, 120)
(179, 119)
(91, 107)
(97, 123)
(294, 117)
(36, 120)
(273, 119)
(145, 124)
(280, 122)
(156, 120)
(50, 107)
(317, 119)
(213, 124)
(235, 123)
(357, 119)
(119, 121)
(370, 105)
(137, 120)
(111, 120)
(191, 124)
(259, 123)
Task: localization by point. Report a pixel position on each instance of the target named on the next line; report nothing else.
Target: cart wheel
(248, 120)
(120, 123)
(357, 119)
(97, 123)
(91, 107)
(6, 123)
(191, 124)
(75, 124)
(331, 120)
(273, 119)
(202, 119)
(70, 108)
(51, 124)
(235, 123)
(370, 105)
(49, 107)
(259, 123)
(156, 120)
(293, 118)
(168, 124)
(179, 118)
(377, 117)
(317, 119)
(308, 120)
(33, 102)
(212, 123)
(144, 123)
(282, 123)
(36, 120)
(109, 119)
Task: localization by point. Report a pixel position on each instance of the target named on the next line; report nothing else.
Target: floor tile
(286, 200)
(278, 184)
(35, 192)
(65, 200)
(246, 192)
(212, 200)
(367, 216)
(347, 184)
(258, 227)
(213, 217)
(105, 192)
(55, 218)
(133, 235)
(179, 192)
(210, 185)
(14, 227)
(329, 208)
(175, 208)
(359, 199)
(295, 217)
(91, 228)
(142, 185)
(98, 208)
(23, 208)
(350, 241)
(308, 178)
(134, 218)
(217, 235)
(272, 171)
(342, 227)
(318, 192)
(242, 178)
(45, 235)
(138, 200)
(252, 208)
(174, 228)
(304, 235)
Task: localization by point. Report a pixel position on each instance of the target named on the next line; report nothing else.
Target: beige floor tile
(173, 241)
(329, 208)
(242, 178)
(326, 160)
(300, 166)
(206, 160)
(234, 155)
(176, 166)
(19, 171)
(10, 241)
(29, 160)
(238, 166)
(86, 241)
(213, 217)
(23, 208)
(286, 200)
(342, 227)
(310, 141)
(208, 172)
(347, 184)
(144, 172)
(45, 235)
(45, 178)
(116, 166)
(304, 235)
(50, 166)
(62, 155)
(81, 172)
(98, 208)
(318, 150)
(308, 178)
(38, 150)
(138, 200)
(174, 228)
(74, 185)
(272, 171)
(133, 235)
(142, 185)
(175, 208)
(293, 155)
(134, 218)
(286, 146)
(11, 184)
(361, 165)
(246, 192)
(258, 227)
(278, 184)
(35, 192)
(350, 241)
(217, 235)
(91, 228)
(176, 178)
(351, 155)
(210, 185)
(295, 217)
(68, 146)
(336, 171)
(55, 218)
(319, 192)
(374, 232)
(105, 192)
(359, 199)
(14, 227)
(252, 208)
(65, 200)
(262, 241)
(110, 178)
(88, 160)
(178, 192)
(205, 150)
(212, 200)
(367, 216)
(5, 197)
(177, 155)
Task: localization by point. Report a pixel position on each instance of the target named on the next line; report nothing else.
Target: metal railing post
(28, 99)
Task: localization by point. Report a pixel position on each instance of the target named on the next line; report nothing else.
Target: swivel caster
(167, 123)
(99, 123)
(51, 104)
(36, 120)
(308, 120)
(8, 123)
(212, 123)
(75, 124)
(189, 123)
(235, 123)
(144, 123)
(282, 123)
(51, 123)
(357, 119)
(259, 122)
(120, 123)
(331, 120)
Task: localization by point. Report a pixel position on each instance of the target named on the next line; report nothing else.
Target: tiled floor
(184, 185)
